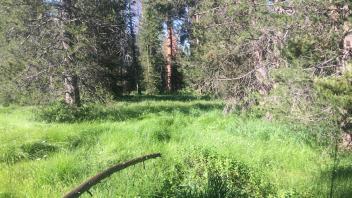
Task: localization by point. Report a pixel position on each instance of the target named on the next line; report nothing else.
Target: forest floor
(39, 159)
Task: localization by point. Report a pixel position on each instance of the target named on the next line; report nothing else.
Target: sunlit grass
(41, 159)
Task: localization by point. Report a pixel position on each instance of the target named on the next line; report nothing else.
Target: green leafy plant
(61, 112)
(207, 174)
(338, 90)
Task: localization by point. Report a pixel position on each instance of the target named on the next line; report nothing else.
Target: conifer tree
(150, 39)
(69, 48)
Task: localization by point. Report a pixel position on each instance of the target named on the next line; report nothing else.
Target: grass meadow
(204, 153)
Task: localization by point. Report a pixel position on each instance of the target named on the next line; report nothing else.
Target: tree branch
(78, 191)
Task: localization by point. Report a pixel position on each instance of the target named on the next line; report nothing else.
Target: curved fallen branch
(84, 187)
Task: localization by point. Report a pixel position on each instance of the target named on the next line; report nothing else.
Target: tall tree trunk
(135, 81)
(261, 74)
(346, 51)
(170, 57)
(71, 87)
(72, 96)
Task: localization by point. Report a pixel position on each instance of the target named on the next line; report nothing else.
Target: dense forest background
(237, 50)
(283, 58)
(105, 49)
(286, 61)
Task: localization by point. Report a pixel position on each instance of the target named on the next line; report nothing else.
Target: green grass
(40, 159)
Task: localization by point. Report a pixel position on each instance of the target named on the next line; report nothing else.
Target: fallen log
(85, 186)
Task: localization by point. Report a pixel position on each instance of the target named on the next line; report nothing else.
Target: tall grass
(40, 159)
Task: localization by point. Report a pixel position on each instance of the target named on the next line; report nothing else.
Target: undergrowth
(205, 153)
(61, 112)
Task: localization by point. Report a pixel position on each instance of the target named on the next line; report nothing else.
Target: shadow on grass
(346, 194)
(342, 181)
(181, 98)
(343, 173)
(28, 151)
(60, 113)
(136, 112)
(42, 149)
(7, 195)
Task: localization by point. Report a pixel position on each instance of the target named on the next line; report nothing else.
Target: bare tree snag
(84, 187)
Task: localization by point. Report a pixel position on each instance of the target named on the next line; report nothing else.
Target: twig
(78, 191)
(239, 77)
(242, 76)
(321, 65)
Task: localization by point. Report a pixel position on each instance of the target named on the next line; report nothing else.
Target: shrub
(338, 91)
(211, 175)
(295, 99)
(61, 112)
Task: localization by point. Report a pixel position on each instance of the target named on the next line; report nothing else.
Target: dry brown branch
(85, 186)
(239, 77)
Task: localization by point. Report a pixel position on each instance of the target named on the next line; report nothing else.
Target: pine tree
(164, 12)
(236, 44)
(150, 39)
(71, 47)
(135, 69)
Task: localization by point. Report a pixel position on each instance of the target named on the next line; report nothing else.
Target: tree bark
(135, 78)
(261, 71)
(72, 95)
(169, 58)
(71, 86)
(261, 74)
